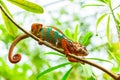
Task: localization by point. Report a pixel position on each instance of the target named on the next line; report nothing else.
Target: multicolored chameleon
(55, 37)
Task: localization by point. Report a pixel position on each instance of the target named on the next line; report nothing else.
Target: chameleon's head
(77, 49)
(36, 27)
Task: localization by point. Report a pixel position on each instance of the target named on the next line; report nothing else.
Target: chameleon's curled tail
(17, 57)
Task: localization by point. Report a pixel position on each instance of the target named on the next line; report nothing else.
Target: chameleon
(55, 37)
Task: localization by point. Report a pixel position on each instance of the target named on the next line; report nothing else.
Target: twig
(116, 77)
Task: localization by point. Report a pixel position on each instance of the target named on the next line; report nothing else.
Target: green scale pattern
(46, 35)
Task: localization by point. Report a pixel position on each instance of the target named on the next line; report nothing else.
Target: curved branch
(116, 77)
(17, 57)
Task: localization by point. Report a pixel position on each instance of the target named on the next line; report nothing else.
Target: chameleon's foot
(75, 60)
(72, 59)
(40, 42)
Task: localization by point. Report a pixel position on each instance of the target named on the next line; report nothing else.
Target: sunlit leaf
(87, 5)
(104, 1)
(98, 59)
(86, 38)
(76, 33)
(12, 29)
(92, 78)
(112, 54)
(68, 33)
(54, 53)
(67, 74)
(29, 6)
(51, 69)
(118, 15)
(5, 8)
(108, 31)
(100, 19)
(87, 70)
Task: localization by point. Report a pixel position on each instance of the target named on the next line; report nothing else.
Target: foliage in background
(40, 63)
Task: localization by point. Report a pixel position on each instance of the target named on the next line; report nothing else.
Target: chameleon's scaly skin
(58, 39)
(52, 36)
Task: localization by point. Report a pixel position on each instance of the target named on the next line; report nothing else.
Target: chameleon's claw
(40, 42)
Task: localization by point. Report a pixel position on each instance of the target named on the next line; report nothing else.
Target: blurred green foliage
(77, 25)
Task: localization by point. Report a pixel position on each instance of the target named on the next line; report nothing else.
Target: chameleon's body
(53, 36)
(49, 34)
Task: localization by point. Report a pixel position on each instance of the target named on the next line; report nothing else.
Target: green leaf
(92, 78)
(87, 5)
(118, 15)
(112, 54)
(54, 53)
(29, 6)
(100, 19)
(68, 33)
(104, 1)
(86, 38)
(51, 69)
(108, 31)
(67, 74)
(76, 33)
(100, 60)
(12, 29)
(5, 8)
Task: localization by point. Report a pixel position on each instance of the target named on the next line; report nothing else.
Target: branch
(116, 77)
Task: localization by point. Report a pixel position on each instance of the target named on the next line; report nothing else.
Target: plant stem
(116, 7)
(116, 77)
(115, 19)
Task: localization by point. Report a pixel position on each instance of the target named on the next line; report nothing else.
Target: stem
(115, 19)
(116, 7)
(116, 77)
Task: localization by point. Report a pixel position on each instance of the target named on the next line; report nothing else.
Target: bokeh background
(73, 18)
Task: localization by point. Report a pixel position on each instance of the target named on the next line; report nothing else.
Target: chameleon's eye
(71, 45)
(39, 27)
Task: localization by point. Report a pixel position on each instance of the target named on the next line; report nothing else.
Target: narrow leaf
(108, 31)
(87, 5)
(29, 6)
(51, 69)
(104, 1)
(100, 19)
(112, 54)
(5, 8)
(12, 29)
(100, 60)
(67, 74)
(54, 53)
(86, 38)
(76, 33)
(68, 33)
(118, 15)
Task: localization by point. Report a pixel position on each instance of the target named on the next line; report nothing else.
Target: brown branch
(114, 76)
